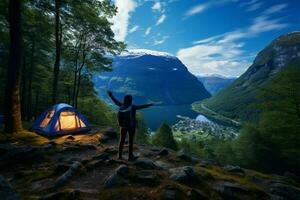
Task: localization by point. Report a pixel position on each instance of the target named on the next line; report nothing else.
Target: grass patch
(27, 137)
(219, 174)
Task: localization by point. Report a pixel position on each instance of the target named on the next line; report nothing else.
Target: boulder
(74, 168)
(61, 168)
(66, 194)
(184, 156)
(231, 190)
(163, 152)
(145, 164)
(162, 165)
(6, 190)
(284, 191)
(187, 157)
(114, 180)
(122, 170)
(148, 177)
(182, 173)
(172, 194)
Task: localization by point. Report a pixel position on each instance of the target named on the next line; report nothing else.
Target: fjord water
(158, 114)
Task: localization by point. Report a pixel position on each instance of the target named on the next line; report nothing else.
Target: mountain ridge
(236, 101)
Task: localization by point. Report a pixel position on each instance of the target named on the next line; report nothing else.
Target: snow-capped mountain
(151, 76)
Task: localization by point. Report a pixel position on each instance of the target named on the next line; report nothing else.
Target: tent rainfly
(60, 119)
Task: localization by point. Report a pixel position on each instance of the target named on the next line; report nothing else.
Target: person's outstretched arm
(116, 101)
(144, 106)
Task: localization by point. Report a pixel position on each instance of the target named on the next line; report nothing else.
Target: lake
(154, 116)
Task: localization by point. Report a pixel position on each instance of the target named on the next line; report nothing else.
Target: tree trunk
(13, 121)
(74, 87)
(37, 94)
(58, 33)
(77, 91)
(24, 92)
(29, 92)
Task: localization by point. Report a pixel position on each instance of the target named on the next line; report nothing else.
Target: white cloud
(203, 6)
(134, 29)
(255, 6)
(157, 6)
(223, 54)
(275, 8)
(121, 20)
(195, 10)
(148, 30)
(161, 19)
(160, 41)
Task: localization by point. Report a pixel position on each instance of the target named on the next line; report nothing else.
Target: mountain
(236, 101)
(153, 76)
(214, 83)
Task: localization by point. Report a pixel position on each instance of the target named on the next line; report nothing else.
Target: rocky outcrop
(158, 173)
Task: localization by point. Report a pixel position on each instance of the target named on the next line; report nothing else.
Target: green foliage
(164, 137)
(86, 32)
(272, 144)
(238, 100)
(141, 134)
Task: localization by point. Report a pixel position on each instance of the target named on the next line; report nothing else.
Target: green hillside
(238, 100)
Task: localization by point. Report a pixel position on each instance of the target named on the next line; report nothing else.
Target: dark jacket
(134, 107)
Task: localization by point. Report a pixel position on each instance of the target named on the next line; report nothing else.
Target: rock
(195, 194)
(122, 170)
(75, 167)
(111, 133)
(183, 156)
(53, 143)
(231, 190)
(104, 139)
(70, 137)
(86, 147)
(114, 180)
(284, 191)
(182, 173)
(6, 190)
(61, 168)
(162, 165)
(234, 169)
(163, 152)
(66, 194)
(145, 164)
(148, 177)
(102, 156)
(110, 150)
(172, 194)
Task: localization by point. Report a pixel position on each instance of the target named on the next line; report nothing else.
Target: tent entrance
(68, 121)
(47, 119)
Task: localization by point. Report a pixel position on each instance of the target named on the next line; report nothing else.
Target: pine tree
(164, 137)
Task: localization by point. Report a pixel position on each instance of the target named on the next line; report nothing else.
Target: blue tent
(60, 119)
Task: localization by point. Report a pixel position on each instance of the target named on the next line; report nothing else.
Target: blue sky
(208, 36)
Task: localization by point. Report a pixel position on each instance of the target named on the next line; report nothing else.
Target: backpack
(125, 117)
